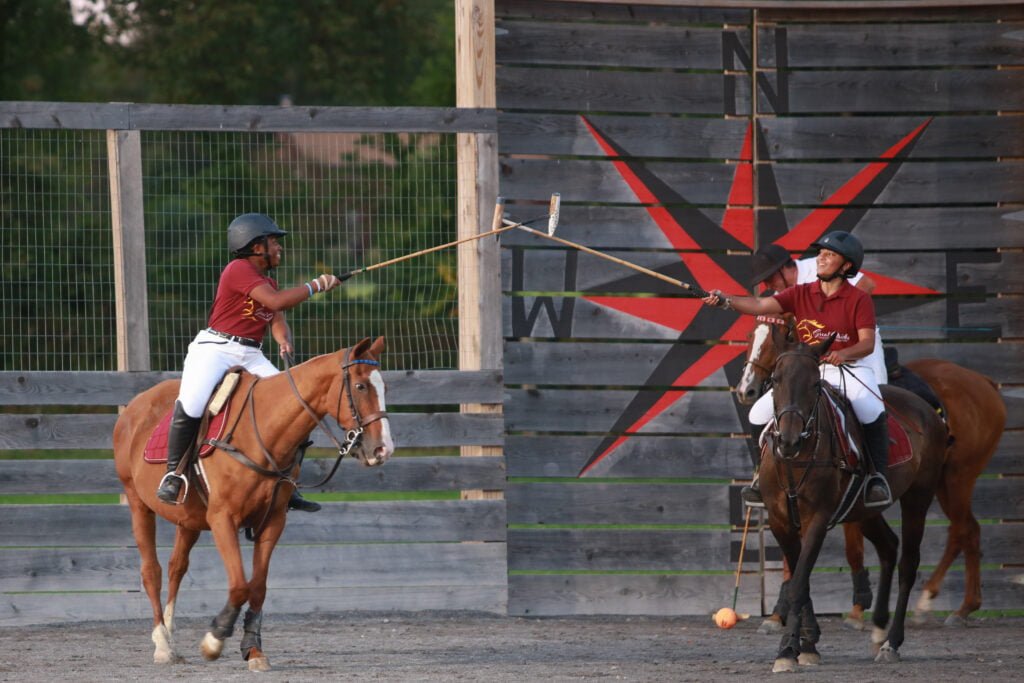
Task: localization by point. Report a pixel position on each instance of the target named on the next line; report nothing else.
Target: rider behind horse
(829, 307)
(247, 302)
(773, 267)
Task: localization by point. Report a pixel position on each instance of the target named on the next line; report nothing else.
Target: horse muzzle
(749, 395)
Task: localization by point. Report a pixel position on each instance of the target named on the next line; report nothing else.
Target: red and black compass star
(689, 230)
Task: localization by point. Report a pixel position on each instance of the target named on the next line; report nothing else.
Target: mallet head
(499, 213)
(553, 209)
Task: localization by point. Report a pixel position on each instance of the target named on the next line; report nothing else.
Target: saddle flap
(900, 448)
(216, 417)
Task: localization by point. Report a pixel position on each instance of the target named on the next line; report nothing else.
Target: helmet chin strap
(838, 273)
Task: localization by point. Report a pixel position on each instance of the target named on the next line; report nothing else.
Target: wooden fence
(72, 562)
(433, 537)
(681, 138)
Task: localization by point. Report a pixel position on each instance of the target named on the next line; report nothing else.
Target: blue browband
(363, 361)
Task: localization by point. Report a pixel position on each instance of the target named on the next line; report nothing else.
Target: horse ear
(823, 347)
(790, 327)
(360, 349)
(377, 347)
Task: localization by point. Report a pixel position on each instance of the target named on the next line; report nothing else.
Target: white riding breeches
(861, 389)
(208, 358)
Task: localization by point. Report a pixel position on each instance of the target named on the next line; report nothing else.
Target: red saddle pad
(156, 447)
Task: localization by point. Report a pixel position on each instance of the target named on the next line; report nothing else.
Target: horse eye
(360, 386)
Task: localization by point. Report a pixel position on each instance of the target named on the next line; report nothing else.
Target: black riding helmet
(767, 261)
(248, 228)
(847, 246)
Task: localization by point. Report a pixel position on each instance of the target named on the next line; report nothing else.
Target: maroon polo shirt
(817, 316)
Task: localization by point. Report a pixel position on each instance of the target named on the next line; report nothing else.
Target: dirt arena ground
(480, 647)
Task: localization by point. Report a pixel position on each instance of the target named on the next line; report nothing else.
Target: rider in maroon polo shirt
(832, 306)
(247, 303)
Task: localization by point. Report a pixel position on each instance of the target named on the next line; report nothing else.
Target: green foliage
(318, 52)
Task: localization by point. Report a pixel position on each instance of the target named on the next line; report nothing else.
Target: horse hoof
(211, 647)
(854, 623)
(954, 620)
(259, 664)
(784, 665)
(919, 618)
(164, 657)
(809, 659)
(887, 655)
(769, 627)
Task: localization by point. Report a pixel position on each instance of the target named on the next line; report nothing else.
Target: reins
(284, 474)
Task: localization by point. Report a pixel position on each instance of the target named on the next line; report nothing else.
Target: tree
(43, 53)
(318, 52)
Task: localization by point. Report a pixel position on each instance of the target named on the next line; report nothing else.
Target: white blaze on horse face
(757, 342)
(377, 380)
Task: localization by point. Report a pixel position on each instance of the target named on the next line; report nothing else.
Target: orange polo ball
(725, 618)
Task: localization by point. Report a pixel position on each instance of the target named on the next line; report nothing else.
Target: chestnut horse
(249, 479)
(809, 484)
(976, 415)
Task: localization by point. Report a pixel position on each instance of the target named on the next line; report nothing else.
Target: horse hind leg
(969, 538)
(964, 535)
(854, 543)
(144, 531)
(184, 540)
(886, 543)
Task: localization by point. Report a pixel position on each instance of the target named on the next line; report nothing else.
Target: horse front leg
(802, 553)
(252, 643)
(225, 534)
(854, 542)
(774, 622)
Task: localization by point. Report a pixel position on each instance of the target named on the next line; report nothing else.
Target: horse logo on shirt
(813, 332)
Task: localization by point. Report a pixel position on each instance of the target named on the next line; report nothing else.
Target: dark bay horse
(976, 415)
(249, 487)
(807, 478)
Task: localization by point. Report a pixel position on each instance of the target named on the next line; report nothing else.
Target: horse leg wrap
(251, 636)
(809, 630)
(781, 608)
(862, 596)
(223, 624)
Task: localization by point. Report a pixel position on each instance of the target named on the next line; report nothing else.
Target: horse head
(769, 334)
(361, 404)
(796, 390)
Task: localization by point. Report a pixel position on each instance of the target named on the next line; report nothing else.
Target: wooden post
(124, 162)
(479, 262)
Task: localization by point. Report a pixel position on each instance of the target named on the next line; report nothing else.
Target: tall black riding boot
(876, 439)
(180, 439)
(751, 495)
(297, 502)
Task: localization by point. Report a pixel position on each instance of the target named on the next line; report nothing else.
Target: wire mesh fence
(347, 200)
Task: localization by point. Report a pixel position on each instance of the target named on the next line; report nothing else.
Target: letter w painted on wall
(523, 323)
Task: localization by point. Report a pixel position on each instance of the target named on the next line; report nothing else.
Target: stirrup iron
(885, 484)
(174, 475)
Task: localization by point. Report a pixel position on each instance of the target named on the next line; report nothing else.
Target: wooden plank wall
(381, 555)
(681, 138)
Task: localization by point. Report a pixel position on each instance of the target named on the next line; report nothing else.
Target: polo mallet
(497, 228)
(549, 235)
(739, 564)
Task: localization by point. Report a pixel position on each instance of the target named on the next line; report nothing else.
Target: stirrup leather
(174, 475)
